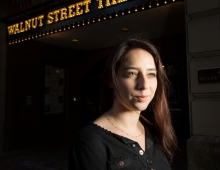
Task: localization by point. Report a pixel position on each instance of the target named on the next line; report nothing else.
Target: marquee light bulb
(158, 3)
(129, 11)
(136, 9)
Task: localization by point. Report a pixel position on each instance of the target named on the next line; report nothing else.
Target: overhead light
(125, 29)
(75, 40)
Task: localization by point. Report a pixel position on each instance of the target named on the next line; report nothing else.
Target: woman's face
(137, 81)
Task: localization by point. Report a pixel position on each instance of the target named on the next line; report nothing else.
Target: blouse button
(141, 152)
(133, 145)
(121, 163)
(149, 161)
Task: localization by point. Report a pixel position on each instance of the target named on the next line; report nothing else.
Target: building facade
(53, 55)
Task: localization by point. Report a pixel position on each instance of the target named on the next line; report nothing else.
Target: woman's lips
(142, 98)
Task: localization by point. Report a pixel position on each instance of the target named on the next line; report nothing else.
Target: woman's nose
(142, 82)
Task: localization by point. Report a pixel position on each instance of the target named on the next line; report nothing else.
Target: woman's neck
(124, 118)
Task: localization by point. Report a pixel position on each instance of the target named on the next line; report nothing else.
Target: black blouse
(95, 148)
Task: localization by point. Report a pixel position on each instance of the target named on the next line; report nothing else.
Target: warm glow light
(158, 3)
(75, 40)
(125, 29)
(173, 0)
(93, 20)
(122, 13)
(136, 9)
(104, 17)
(143, 7)
(99, 19)
(165, 2)
(129, 11)
(150, 5)
(116, 14)
(88, 22)
(110, 16)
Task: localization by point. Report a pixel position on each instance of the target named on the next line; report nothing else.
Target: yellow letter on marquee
(63, 14)
(87, 2)
(34, 22)
(40, 18)
(11, 30)
(21, 27)
(78, 10)
(120, 1)
(56, 12)
(71, 13)
(107, 3)
(50, 18)
(100, 4)
(114, 2)
(27, 25)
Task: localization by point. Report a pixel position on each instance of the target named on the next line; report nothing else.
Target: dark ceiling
(158, 22)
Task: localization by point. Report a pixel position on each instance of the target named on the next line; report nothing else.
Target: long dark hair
(157, 114)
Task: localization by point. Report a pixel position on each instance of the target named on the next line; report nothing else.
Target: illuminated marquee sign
(61, 14)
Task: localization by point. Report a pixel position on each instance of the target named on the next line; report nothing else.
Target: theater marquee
(76, 15)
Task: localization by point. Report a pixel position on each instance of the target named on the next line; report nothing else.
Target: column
(203, 60)
(2, 76)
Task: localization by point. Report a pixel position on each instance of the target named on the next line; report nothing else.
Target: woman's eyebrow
(136, 68)
(133, 68)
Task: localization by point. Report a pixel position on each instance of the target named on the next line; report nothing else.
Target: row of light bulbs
(82, 23)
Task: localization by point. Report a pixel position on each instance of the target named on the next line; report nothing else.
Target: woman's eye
(129, 74)
(152, 75)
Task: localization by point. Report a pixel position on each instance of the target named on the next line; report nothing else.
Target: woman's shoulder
(92, 133)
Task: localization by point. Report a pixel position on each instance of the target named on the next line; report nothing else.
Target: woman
(135, 130)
